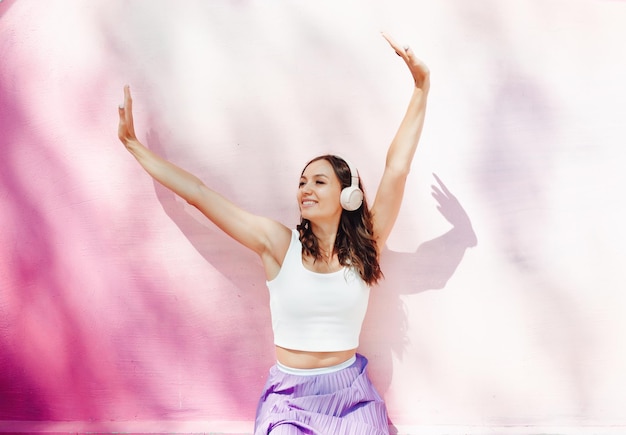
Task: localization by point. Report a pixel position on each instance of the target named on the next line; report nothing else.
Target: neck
(326, 236)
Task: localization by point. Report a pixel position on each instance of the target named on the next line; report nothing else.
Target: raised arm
(264, 236)
(402, 149)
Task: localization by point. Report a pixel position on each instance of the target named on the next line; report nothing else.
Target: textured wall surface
(121, 308)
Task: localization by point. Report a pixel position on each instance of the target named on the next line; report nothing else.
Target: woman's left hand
(419, 70)
(126, 126)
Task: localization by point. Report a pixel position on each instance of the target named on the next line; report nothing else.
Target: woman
(318, 275)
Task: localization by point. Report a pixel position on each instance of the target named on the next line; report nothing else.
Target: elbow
(193, 195)
(399, 170)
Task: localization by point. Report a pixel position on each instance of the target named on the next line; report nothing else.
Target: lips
(308, 203)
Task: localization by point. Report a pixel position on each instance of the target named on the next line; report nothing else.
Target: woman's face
(318, 192)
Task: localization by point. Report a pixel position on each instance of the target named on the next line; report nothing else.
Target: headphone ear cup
(351, 198)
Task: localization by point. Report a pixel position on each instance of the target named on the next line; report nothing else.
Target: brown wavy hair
(355, 245)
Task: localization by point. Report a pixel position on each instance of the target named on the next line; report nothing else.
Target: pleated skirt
(343, 402)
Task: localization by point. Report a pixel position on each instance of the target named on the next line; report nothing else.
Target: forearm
(404, 144)
(176, 179)
(234, 221)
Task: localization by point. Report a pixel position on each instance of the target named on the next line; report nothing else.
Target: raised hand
(419, 70)
(126, 128)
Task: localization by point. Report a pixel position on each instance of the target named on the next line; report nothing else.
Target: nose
(305, 188)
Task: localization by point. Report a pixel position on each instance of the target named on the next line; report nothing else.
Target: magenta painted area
(123, 310)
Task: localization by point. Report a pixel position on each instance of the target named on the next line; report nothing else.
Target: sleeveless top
(316, 312)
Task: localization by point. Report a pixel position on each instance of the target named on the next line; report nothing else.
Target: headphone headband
(351, 196)
(354, 174)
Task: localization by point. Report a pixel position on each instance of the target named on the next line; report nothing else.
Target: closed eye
(320, 179)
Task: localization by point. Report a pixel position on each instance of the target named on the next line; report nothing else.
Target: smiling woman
(124, 310)
(318, 274)
(330, 178)
(318, 191)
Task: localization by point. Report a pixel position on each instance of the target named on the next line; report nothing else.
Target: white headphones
(351, 197)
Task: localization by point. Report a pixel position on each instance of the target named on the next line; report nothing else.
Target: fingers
(443, 187)
(128, 111)
(121, 127)
(126, 129)
(405, 52)
(127, 104)
(419, 70)
(400, 51)
(390, 40)
(128, 101)
(436, 193)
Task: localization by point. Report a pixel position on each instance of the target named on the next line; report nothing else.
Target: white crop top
(316, 312)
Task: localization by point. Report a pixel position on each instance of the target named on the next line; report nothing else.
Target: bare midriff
(299, 359)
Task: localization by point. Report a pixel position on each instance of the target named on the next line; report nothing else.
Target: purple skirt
(344, 402)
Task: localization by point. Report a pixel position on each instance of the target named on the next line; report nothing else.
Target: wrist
(133, 146)
(421, 89)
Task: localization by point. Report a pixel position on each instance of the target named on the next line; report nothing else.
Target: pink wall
(121, 309)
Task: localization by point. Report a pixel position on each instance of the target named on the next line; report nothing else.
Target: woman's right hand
(419, 70)
(126, 128)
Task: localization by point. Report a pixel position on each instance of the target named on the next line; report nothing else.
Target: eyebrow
(316, 175)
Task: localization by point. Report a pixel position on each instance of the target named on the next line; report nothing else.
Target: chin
(308, 215)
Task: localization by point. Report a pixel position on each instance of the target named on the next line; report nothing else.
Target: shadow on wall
(5, 5)
(247, 305)
(430, 267)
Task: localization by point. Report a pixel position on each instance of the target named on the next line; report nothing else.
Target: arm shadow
(430, 267)
(435, 261)
(236, 263)
(245, 346)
